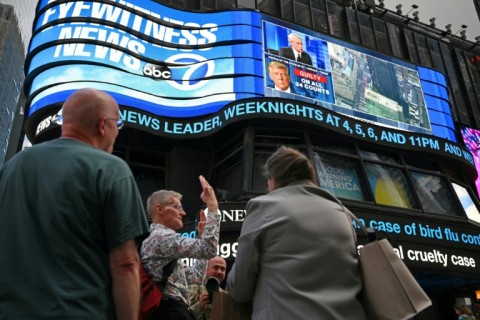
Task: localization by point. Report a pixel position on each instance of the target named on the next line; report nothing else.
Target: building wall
(11, 73)
(25, 12)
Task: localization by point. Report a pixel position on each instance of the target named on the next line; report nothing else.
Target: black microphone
(212, 285)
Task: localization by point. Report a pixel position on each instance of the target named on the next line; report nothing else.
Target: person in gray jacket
(296, 255)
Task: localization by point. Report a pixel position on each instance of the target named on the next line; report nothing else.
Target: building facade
(387, 108)
(11, 71)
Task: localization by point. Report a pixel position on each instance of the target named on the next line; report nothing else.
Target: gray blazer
(296, 257)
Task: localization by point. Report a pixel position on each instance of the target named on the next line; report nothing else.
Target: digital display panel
(343, 79)
(168, 63)
(471, 137)
(160, 60)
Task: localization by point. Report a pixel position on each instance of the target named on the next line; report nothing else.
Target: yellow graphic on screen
(391, 192)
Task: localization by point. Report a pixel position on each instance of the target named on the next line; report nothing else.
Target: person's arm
(124, 266)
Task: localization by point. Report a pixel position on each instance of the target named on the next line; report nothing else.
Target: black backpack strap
(167, 271)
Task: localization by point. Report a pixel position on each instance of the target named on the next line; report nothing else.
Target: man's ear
(159, 210)
(101, 126)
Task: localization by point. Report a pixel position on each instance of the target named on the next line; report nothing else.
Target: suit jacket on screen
(288, 53)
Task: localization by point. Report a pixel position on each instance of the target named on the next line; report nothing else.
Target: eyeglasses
(178, 206)
(119, 122)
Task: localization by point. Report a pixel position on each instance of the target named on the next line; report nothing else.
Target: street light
(399, 8)
(448, 28)
(415, 15)
(414, 6)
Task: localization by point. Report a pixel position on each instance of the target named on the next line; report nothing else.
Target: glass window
(395, 40)
(467, 202)
(368, 155)
(320, 21)
(423, 52)
(353, 29)
(286, 8)
(434, 194)
(302, 13)
(366, 30)
(259, 181)
(329, 144)
(381, 36)
(341, 176)
(389, 186)
(412, 49)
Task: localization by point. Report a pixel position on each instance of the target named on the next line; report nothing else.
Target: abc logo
(157, 72)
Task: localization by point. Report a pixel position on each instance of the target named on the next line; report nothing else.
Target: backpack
(151, 294)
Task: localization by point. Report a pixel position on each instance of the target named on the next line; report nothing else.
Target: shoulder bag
(390, 292)
(151, 293)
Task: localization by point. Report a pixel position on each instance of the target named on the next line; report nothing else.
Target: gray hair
(292, 36)
(162, 197)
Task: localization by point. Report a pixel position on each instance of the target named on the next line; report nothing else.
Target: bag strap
(370, 233)
(167, 271)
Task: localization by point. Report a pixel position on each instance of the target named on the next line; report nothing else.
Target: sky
(455, 12)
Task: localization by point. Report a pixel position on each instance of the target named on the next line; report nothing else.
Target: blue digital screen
(181, 64)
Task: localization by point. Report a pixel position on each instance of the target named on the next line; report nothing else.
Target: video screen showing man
(295, 51)
(278, 72)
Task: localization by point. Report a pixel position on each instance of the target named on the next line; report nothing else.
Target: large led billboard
(160, 60)
(164, 65)
(344, 78)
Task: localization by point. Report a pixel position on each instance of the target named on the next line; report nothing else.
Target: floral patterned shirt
(164, 245)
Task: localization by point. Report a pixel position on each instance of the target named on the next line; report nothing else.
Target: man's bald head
(217, 266)
(85, 116)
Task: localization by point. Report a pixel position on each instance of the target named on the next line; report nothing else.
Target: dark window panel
(302, 14)
(366, 30)
(287, 9)
(423, 51)
(473, 63)
(472, 106)
(318, 4)
(333, 145)
(246, 4)
(208, 5)
(353, 28)
(148, 180)
(396, 40)
(411, 47)
(225, 4)
(381, 36)
(320, 20)
(434, 194)
(374, 156)
(436, 55)
(227, 166)
(458, 105)
(336, 19)
(269, 6)
(259, 181)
